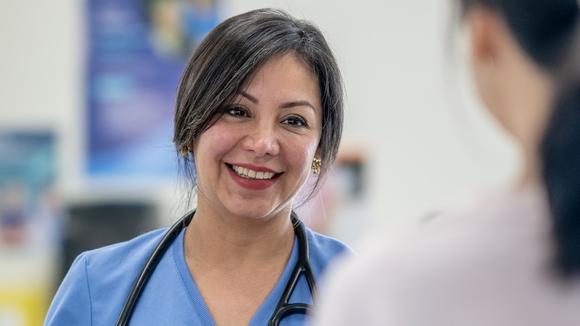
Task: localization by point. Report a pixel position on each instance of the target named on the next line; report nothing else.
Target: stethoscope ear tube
(284, 308)
(149, 267)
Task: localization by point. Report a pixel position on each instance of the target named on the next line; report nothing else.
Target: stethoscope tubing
(149, 267)
(283, 308)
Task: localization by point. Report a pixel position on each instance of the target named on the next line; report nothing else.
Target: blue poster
(137, 50)
(29, 204)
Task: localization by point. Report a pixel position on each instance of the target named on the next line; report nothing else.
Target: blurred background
(86, 102)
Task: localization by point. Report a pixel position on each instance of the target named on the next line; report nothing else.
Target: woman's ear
(485, 28)
(489, 64)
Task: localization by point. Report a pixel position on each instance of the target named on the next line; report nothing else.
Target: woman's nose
(262, 141)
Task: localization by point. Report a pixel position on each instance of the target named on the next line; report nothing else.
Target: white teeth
(251, 174)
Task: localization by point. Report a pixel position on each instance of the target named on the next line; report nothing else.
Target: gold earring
(316, 165)
(184, 150)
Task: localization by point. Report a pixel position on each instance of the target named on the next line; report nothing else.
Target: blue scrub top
(99, 281)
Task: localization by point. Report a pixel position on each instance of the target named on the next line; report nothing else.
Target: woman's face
(253, 160)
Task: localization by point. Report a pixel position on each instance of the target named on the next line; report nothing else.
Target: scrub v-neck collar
(264, 311)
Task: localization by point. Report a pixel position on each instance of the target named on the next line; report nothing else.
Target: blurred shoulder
(472, 244)
(467, 232)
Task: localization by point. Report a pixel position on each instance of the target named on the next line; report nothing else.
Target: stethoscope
(283, 307)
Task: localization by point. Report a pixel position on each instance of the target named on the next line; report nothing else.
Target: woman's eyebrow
(249, 97)
(292, 104)
(285, 105)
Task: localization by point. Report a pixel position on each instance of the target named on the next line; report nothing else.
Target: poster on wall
(136, 52)
(30, 225)
(29, 205)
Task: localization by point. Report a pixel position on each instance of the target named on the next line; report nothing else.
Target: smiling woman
(259, 112)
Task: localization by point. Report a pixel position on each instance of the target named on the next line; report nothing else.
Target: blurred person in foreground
(258, 113)
(510, 258)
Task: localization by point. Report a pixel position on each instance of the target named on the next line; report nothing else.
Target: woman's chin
(255, 211)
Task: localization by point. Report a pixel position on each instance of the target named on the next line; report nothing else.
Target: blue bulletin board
(136, 52)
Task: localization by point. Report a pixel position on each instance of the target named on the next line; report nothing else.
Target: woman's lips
(253, 177)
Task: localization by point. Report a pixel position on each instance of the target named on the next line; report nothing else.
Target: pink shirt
(485, 263)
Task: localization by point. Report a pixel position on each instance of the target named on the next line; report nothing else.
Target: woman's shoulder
(325, 249)
(98, 281)
(463, 233)
(467, 246)
(325, 243)
(124, 254)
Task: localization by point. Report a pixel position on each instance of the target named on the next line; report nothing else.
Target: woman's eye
(237, 111)
(295, 121)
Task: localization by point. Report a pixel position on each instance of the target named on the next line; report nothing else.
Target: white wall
(41, 73)
(423, 135)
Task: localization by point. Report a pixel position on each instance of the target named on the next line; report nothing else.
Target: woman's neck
(531, 174)
(236, 261)
(221, 241)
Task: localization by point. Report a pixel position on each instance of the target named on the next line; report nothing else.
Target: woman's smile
(252, 177)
